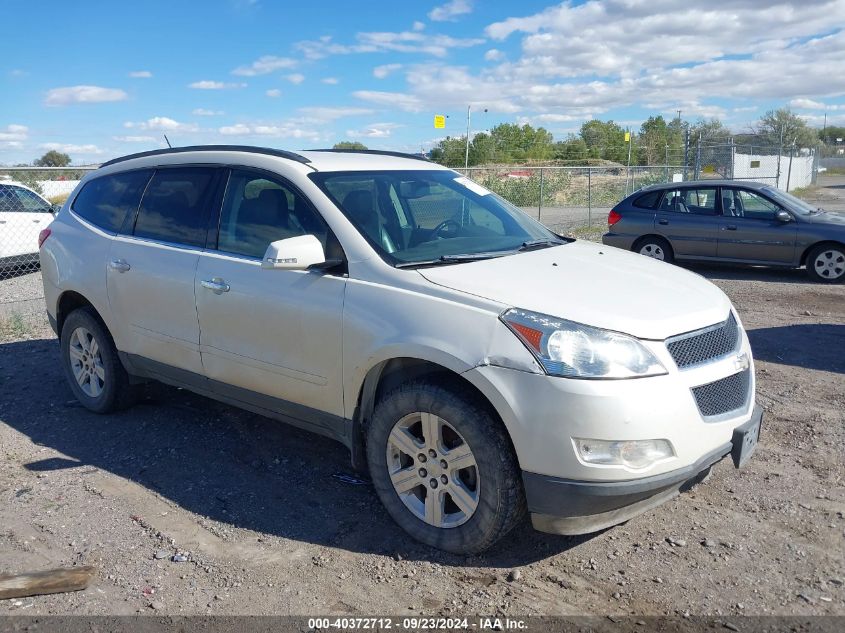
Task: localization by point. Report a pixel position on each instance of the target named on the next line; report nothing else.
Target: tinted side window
(695, 201)
(105, 202)
(745, 204)
(259, 210)
(9, 202)
(32, 202)
(647, 200)
(175, 206)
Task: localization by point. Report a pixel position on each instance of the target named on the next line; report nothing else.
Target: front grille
(704, 345)
(723, 395)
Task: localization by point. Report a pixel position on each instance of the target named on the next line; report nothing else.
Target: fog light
(636, 454)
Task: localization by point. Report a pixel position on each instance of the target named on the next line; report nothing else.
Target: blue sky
(98, 79)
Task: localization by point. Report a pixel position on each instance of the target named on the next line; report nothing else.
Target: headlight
(574, 350)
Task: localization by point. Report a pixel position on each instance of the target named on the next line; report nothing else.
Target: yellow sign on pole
(439, 121)
(627, 136)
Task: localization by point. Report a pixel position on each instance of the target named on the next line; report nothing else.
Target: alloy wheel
(86, 362)
(433, 470)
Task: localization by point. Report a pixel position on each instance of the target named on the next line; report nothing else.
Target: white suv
(474, 362)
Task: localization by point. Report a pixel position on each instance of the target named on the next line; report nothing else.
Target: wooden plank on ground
(43, 582)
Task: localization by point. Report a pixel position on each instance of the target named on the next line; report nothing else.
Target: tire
(826, 263)
(656, 248)
(106, 388)
(491, 478)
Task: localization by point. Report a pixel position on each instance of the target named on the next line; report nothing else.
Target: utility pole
(466, 158)
(686, 151)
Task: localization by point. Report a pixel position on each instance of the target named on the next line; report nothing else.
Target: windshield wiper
(453, 259)
(541, 243)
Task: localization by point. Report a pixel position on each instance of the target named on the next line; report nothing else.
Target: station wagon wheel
(826, 262)
(433, 470)
(91, 364)
(443, 465)
(656, 248)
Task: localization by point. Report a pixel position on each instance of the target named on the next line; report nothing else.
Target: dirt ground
(267, 527)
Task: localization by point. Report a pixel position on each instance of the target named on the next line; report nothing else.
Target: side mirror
(782, 216)
(55, 208)
(294, 253)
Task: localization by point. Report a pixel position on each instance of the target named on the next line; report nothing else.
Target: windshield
(431, 216)
(795, 204)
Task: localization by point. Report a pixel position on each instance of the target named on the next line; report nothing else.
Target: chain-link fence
(569, 198)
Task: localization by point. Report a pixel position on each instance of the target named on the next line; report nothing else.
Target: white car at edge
(477, 365)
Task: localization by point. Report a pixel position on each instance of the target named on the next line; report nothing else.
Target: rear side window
(647, 200)
(105, 202)
(175, 206)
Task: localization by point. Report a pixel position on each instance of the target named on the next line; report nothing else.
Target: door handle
(2, 221)
(37, 221)
(120, 265)
(216, 285)
(729, 227)
(663, 221)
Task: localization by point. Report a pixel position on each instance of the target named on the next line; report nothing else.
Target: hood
(595, 285)
(826, 217)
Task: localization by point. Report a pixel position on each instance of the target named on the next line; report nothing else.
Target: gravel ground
(267, 527)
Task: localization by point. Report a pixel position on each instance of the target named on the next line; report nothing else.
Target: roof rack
(376, 152)
(212, 148)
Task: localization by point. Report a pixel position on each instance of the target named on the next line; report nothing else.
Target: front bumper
(563, 506)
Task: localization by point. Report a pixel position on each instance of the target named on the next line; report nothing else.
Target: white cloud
(295, 78)
(287, 129)
(205, 112)
(140, 74)
(493, 55)
(418, 26)
(162, 124)
(135, 139)
(450, 10)
(331, 81)
(265, 65)
(14, 133)
(206, 84)
(377, 42)
(374, 130)
(273, 93)
(625, 37)
(11, 145)
(323, 113)
(380, 72)
(406, 102)
(83, 94)
(70, 148)
(810, 104)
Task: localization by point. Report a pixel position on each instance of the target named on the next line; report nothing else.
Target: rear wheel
(443, 467)
(92, 367)
(826, 262)
(656, 248)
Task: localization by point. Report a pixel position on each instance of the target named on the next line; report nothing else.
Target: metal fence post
(540, 201)
(789, 171)
(589, 197)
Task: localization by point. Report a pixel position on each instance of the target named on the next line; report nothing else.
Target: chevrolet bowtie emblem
(741, 362)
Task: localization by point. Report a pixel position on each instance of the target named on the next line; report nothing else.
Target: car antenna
(167, 140)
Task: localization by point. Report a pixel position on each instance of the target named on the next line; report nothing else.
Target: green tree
(831, 133)
(658, 139)
(573, 148)
(516, 143)
(53, 158)
(785, 125)
(349, 145)
(450, 151)
(482, 149)
(605, 139)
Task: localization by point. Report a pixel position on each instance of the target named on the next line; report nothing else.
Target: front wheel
(826, 262)
(444, 468)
